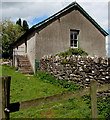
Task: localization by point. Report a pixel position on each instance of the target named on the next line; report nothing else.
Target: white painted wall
(31, 50)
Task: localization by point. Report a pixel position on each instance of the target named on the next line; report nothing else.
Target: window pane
(75, 36)
(71, 44)
(71, 36)
(75, 43)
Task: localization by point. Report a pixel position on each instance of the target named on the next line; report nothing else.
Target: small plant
(11, 67)
(73, 51)
(65, 61)
(104, 107)
(31, 73)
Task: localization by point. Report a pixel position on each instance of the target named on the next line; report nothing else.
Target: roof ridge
(92, 20)
(72, 5)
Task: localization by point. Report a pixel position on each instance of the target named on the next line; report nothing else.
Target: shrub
(65, 61)
(73, 51)
(104, 107)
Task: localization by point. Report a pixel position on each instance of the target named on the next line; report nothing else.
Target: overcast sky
(35, 11)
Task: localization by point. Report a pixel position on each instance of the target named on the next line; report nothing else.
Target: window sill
(73, 47)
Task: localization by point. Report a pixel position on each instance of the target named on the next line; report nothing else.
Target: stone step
(24, 69)
(24, 65)
(20, 58)
(26, 72)
(20, 70)
(23, 60)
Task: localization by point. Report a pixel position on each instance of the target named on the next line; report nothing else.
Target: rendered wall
(56, 37)
(30, 52)
(31, 49)
(20, 50)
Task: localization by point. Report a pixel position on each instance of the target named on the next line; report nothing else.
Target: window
(74, 38)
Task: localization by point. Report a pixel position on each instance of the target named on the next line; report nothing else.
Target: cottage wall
(31, 49)
(20, 50)
(55, 37)
(27, 48)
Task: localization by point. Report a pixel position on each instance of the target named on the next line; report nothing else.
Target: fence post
(0, 97)
(4, 97)
(93, 91)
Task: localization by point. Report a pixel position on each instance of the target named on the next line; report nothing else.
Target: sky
(35, 11)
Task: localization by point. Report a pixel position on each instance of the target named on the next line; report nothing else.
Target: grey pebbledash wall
(80, 69)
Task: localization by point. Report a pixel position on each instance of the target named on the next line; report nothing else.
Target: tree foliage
(25, 25)
(10, 32)
(19, 22)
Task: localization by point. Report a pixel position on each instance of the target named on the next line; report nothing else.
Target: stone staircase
(24, 65)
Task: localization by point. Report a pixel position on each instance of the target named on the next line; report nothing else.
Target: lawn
(28, 87)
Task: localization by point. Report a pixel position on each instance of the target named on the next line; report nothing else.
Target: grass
(64, 109)
(48, 78)
(29, 87)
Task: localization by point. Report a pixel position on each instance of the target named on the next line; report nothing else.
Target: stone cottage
(72, 27)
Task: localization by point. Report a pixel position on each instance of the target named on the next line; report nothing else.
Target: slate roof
(70, 7)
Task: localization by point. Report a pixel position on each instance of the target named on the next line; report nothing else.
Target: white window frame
(74, 32)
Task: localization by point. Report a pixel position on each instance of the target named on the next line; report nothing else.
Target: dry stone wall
(80, 69)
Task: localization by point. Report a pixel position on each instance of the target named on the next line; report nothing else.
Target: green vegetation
(28, 87)
(69, 85)
(73, 51)
(19, 22)
(65, 61)
(104, 107)
(43, 84)
(10, 33)
(23, 24)
(72, 108)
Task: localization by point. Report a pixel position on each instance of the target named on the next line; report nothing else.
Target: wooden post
(4, 97)
(93, 91)
(1, 98)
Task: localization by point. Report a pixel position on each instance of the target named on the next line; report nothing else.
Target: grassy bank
(42, 85)
(28, 87)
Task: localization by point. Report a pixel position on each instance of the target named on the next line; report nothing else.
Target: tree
(10, 33)
(19, 22)
(25, 25)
